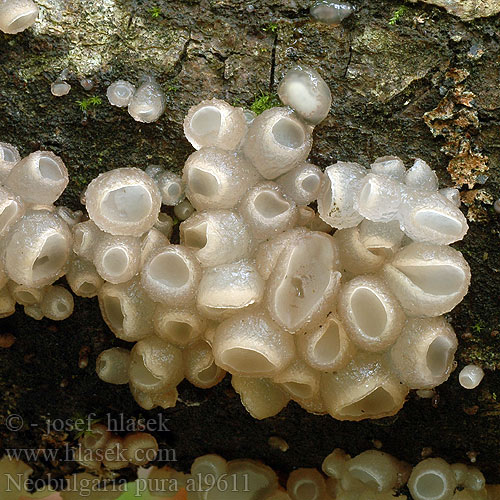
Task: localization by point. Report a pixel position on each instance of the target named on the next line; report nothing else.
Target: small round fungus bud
(261, 397)
(217, 179)
(268, 211)
(341, 183)
(33, 311)
(57, 303)
(154, 171)
(9, 156)
(112, 365)
(171, 188)
(183, 210)
(307, 93)
(252, 345)
(60, 88)
(120, 93)
(470, 376)
(432, 479)
(215, 123)
(199, 365)
(330, 12)
(140, 448)
(36, 249)
(117, 258)
(39, 178)
(87, 83)
(302, 183)
(17, 15)
(496, 206)
(277, 141)
(127, 310)
(171, 275)
(306, 484)
(216, 237)
(148, 102)
(125, 201)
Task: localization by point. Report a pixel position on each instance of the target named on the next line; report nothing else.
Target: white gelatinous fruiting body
(255, 284)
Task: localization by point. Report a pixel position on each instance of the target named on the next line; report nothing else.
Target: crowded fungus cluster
(371, 475)
(344, 324)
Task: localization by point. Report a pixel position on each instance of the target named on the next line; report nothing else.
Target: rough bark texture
(407, 80)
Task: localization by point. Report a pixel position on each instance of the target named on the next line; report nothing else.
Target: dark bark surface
(408, 80)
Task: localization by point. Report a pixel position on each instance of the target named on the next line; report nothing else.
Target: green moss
(91, 102)
(478, 327)
(397, 15)
(265, 101)
(271, 28)
(155, 12)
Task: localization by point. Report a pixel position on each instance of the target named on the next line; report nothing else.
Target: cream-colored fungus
(371, 475)
(17, 15)
(307, 93)
(39, 178)
(9, 156)
(470, 376)
(331, 12)
(112, 366)
(125, 201)
(148, 102)
(120, 93)
(60, 88)
(215, 123)
(277, 141)
(344, 324)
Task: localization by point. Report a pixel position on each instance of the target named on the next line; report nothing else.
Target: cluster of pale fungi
(371, 475)
(344, 324)
(99, 447)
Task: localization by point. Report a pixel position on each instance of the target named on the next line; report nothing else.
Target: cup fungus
(215, 123)
(120, 93)
(17, 15)
(148, 102)
(331, 12)
(344, 324)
